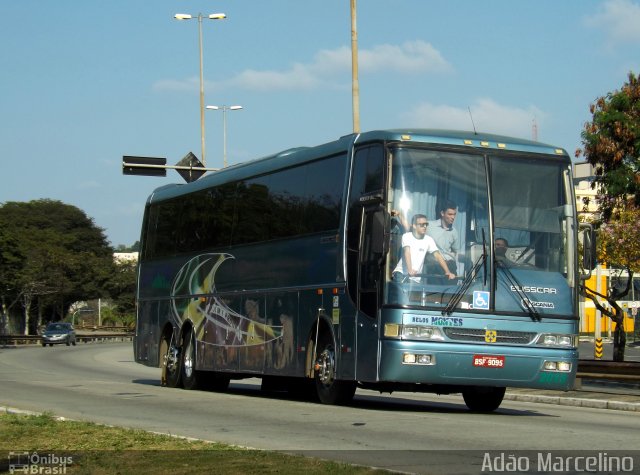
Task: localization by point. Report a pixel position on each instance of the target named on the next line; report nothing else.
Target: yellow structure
(590, 313)
(583, 176)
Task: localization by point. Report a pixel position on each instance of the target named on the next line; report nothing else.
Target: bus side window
(371, 253)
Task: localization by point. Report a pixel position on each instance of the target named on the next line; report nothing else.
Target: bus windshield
(498, 236)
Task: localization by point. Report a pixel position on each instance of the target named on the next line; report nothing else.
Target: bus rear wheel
(483, 399)
(170, 364)
(329, 389)
(188, 367)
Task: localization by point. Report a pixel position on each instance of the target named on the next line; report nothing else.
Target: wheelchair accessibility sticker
(481, 299)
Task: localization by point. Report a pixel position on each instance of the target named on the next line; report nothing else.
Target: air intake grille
(478, 335)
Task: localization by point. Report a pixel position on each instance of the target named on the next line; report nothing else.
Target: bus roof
(294, 156)
(461, 137)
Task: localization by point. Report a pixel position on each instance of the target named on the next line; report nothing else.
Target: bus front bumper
(477, 365)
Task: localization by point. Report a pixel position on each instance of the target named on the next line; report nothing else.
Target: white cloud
(299, 77)
(410, 57)
(328, 69)
(488, 116)
(620, 19)
(179, 85)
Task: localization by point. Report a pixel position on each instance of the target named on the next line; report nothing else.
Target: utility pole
(355, 88)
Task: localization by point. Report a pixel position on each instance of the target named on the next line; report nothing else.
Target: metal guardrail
(610, 370)
(83, 338)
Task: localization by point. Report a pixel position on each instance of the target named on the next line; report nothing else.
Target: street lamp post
(224, 128)
(213, 16)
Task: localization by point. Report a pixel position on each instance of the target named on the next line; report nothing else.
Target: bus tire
(329, 389)
(170, 363)
(483, 398)
(188, 367)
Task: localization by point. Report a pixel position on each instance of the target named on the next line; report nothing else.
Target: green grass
(98, 449)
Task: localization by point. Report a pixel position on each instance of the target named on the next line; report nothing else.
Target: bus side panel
(148, 327)
(281, 355)
(344, 313)
(323, 308)
(154, 308)
(242, 322)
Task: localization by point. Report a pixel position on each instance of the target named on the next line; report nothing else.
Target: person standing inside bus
(416, 245)
(445, 236)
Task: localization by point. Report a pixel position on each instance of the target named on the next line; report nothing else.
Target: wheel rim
(325, 366)
(171, 360)
(188, 360)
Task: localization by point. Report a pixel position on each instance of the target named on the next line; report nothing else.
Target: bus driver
(415, 246)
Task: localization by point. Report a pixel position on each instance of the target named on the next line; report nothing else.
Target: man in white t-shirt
(415, 246)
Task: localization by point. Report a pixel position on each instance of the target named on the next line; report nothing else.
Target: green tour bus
(284, 268)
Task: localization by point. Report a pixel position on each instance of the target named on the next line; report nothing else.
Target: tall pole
(213, 16)
(355, 88)
(224, 136)
(202, 139)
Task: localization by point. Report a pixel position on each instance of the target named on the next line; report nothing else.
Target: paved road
(409, 432)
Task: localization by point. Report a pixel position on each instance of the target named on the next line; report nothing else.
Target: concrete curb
(575, 401)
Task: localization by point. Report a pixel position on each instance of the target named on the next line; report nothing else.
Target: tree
(52, 255)
(612, 145)
(135, 247)
(122, 286)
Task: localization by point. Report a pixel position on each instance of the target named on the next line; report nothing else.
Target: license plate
(488, 361)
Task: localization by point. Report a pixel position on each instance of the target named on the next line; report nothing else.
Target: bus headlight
(557, 340)
(418, 359)
(557, 366)
(413, 332)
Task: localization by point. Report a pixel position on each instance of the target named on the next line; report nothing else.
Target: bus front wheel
(483, 399)
(329, 389)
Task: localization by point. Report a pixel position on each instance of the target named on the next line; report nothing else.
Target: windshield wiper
(481, 262)
(517, 287)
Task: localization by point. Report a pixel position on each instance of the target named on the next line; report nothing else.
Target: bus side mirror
(587, 242)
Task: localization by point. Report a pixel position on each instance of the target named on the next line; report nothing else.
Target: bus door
(370, 273)
(364, 271)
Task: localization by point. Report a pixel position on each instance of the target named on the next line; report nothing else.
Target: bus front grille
(481, 336)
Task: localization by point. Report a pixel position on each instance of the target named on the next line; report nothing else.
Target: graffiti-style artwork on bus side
(194, 297)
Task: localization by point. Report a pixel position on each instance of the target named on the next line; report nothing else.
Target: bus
(281, 268)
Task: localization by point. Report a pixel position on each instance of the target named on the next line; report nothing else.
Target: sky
(84, 83)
